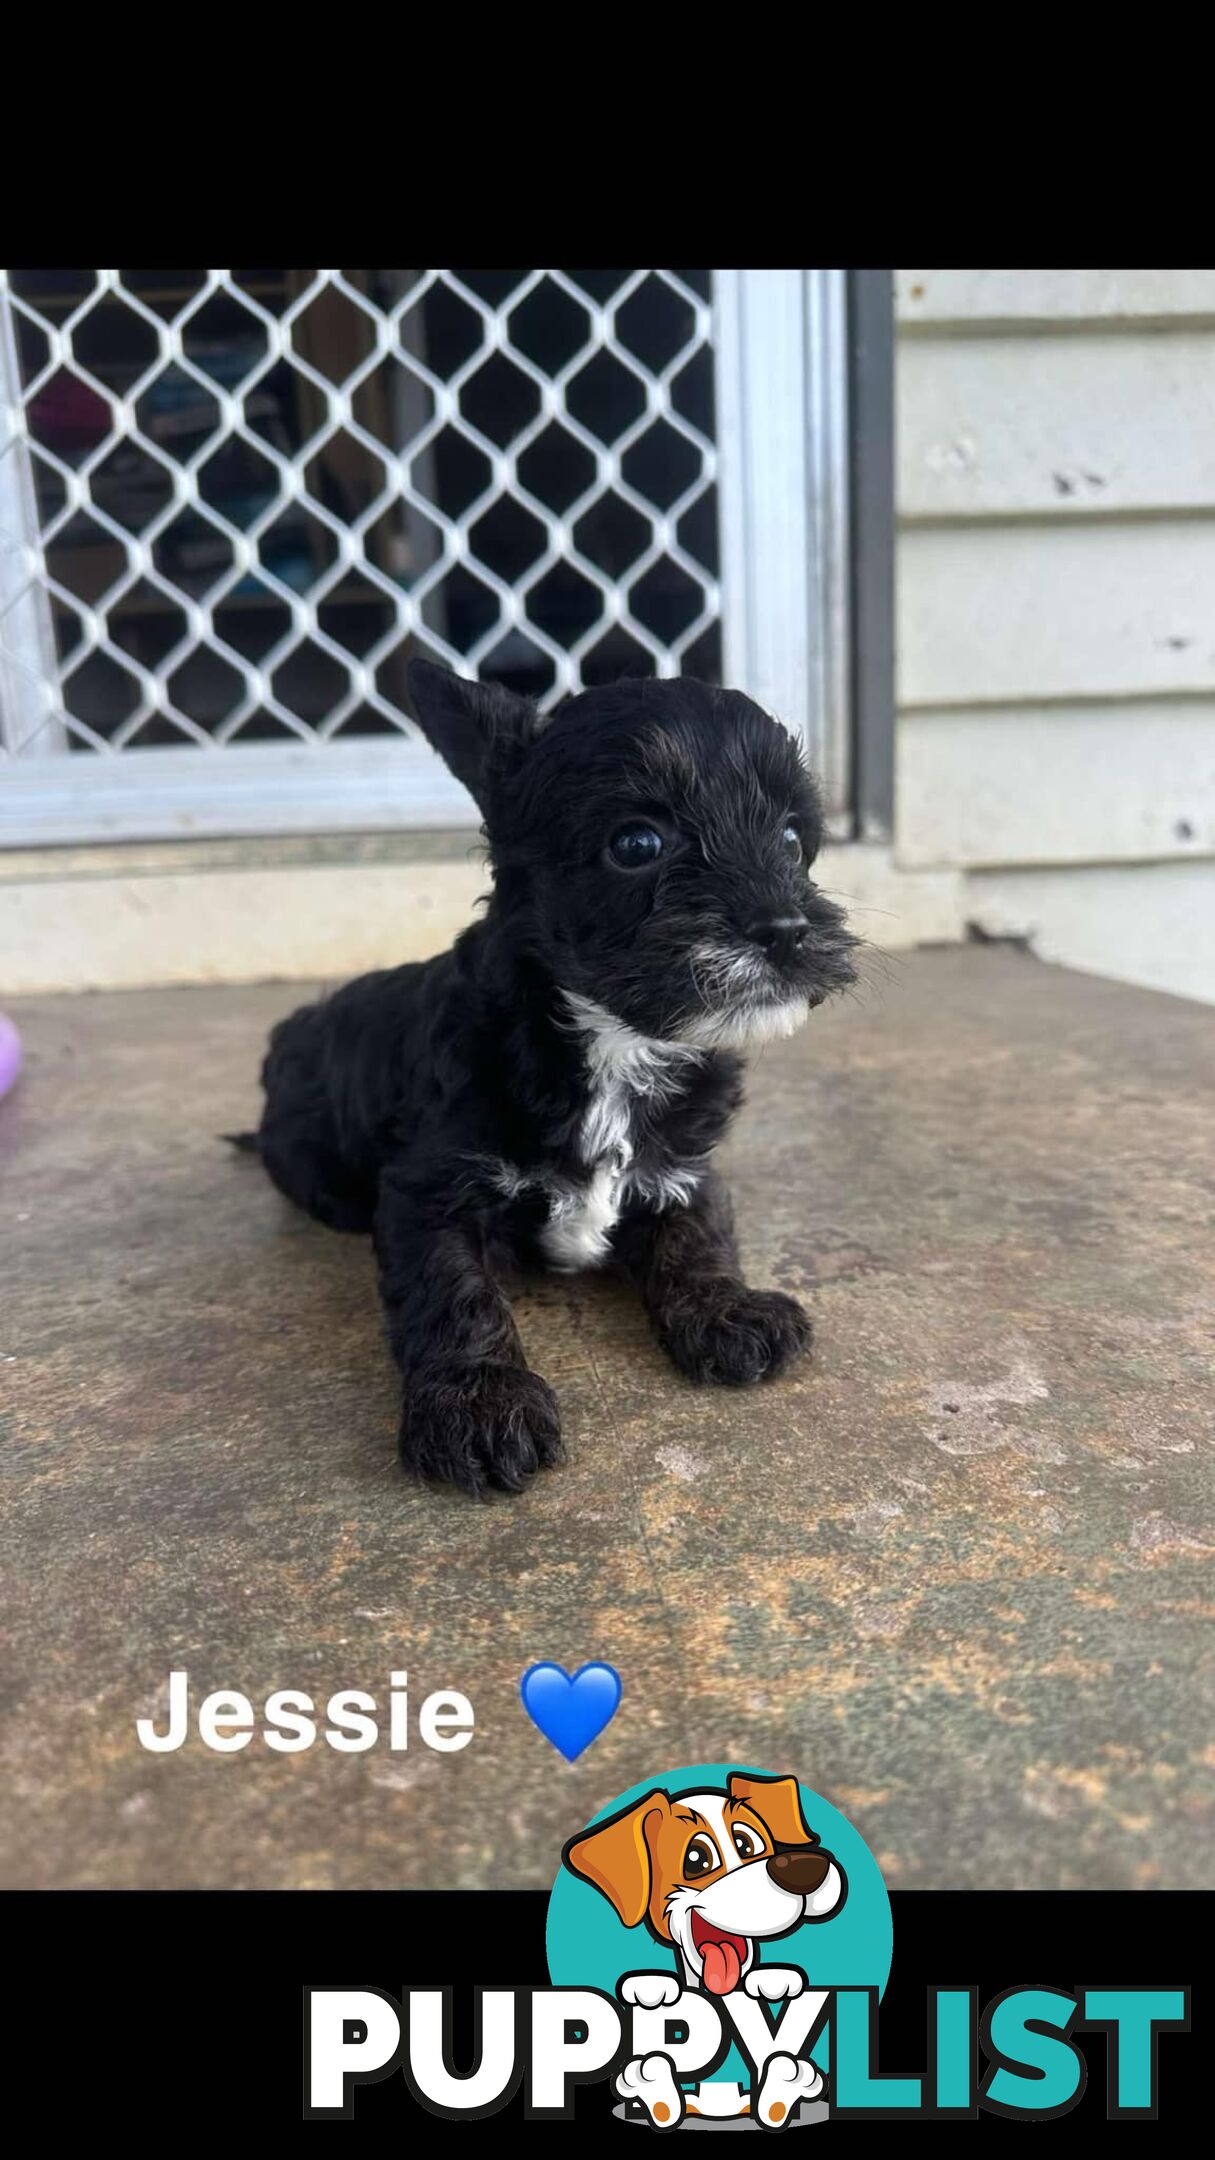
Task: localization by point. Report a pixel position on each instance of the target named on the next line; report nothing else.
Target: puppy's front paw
(775, 1983)
(479, 1425)
(724, 1332)
(650, 1991)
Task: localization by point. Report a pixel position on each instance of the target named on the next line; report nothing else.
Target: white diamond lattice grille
(233, 502)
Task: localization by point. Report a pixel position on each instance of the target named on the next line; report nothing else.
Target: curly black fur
(555, 1084)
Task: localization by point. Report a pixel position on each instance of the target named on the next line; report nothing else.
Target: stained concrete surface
(952, 1572)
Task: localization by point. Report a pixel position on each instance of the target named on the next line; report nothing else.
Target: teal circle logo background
(587, 1945)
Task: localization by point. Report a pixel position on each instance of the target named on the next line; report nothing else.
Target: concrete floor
(952, 1573)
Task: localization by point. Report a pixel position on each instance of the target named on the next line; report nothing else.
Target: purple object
(10, 1054)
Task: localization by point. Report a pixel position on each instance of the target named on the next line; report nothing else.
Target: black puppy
(555, 1084)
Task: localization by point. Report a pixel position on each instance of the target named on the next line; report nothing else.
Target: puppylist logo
(718, 1942)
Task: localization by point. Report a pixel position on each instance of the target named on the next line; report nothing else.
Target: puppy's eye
(635, 847)
(747, 1843)
(791, 841)
(700, 1858)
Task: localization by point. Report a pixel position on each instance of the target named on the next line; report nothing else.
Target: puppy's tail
(249, 1142)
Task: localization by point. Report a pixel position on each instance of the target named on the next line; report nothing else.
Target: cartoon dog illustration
(713, 1873)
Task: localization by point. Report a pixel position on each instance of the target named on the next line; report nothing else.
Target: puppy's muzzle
(801, 1873)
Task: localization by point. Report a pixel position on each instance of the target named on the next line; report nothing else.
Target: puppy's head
(713, 1872)
(652, 845)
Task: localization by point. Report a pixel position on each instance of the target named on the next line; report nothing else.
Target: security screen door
(233, 503)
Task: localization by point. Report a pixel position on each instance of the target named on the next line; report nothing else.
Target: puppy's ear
(615, 1856)
(777, 1802)
(478, 729)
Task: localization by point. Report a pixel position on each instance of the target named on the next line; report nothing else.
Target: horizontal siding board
(196, 912)
(999, 614)
(1053, 785)
(967, 297)
(327, 920)
(1152, 923)
(1056, 426)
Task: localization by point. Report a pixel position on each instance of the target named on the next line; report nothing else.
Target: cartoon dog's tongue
(722, 1966)
(721, 1955)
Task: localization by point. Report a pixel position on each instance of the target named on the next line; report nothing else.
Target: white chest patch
(624, 1070)
(581, 1219)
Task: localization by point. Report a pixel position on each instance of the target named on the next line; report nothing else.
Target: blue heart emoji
(571, 1713)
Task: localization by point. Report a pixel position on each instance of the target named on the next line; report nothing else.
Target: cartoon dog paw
(649, 2082)
(774, 1983)
(787, 2080)
(650, 1991)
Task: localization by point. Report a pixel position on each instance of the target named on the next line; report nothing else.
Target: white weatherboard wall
(1056, 574)
(251, 911)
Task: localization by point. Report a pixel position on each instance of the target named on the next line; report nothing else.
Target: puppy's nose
(800, 1872)
(779, 935)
